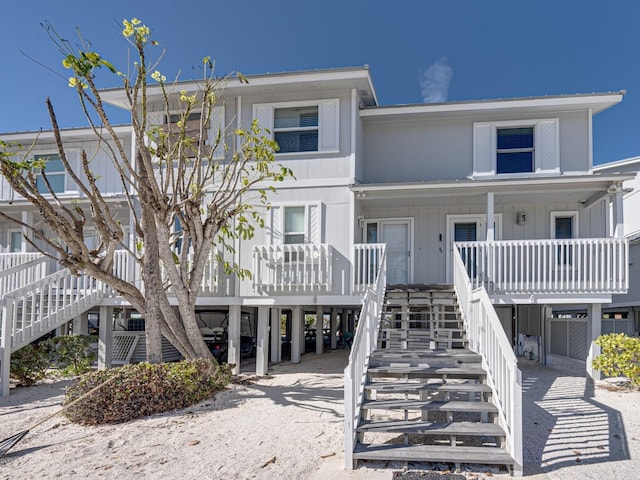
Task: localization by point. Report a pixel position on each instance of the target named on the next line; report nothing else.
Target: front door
(397, 235)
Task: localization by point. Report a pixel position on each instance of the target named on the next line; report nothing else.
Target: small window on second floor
(15, 241)
(294, 222)
(515, 150)
(296, 129)
(55, 173)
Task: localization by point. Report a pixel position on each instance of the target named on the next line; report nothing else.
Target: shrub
(72, 353)
(142, 389)
(620, 356)
(30, 363)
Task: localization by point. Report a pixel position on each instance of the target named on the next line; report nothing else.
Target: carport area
(575, 429)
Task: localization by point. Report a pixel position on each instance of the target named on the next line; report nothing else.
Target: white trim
(10, 231)
(564, 213)
(409, 221)
(481, 227)
(52, 151)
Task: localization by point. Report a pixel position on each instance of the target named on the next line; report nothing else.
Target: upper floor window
(15, 241)
(515, 150)
(296, 129)
(54, 173)
(302, 127)
(294, 225)
(516, 147)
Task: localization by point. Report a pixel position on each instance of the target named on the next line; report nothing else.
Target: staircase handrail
(364, 342)
(488, 338)
(23, 273)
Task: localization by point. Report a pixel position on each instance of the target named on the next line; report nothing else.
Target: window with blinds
(296, 129)
(515, 150)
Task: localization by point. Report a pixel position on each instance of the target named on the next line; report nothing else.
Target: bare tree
(186, 191)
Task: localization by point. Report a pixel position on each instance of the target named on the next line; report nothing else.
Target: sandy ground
(288, 425)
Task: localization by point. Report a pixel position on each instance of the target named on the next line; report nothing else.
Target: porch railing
(292, 268)
(364, 342)
(20, 269)
(582, 265)
(488, 338)
(366, 265)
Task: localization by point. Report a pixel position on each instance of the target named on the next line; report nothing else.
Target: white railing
(488, 338)
(583, 265)
(32, 267)
(366, 264)
(292, 268)
(213, 283)
(364, 342)
(37, 308)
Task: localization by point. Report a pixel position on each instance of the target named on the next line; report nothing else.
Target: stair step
(406, 387)
(430, 405)
(462, 355)
(434, 453)
(475, 429)
(462, 371)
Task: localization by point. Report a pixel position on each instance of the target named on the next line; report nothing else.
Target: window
(515, 150)
(54, 171)
(296, 129)
(294, 220)
(15, 241)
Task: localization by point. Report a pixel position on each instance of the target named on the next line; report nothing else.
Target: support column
(594, 330)
(296, 331)
(5, 349)
(81, 324)
(319, 330)
(618, 215)
(334, 328)
(491, 229)
(105, 338)
(276, 341)
(233, 338)
(262, 345)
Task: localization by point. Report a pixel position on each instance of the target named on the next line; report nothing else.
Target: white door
(397, 235)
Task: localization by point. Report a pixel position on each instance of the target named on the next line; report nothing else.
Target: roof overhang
(68, 134)
(273, 83)
(586, 185)
(597, 102)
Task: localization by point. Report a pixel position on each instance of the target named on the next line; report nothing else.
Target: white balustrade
(20, 269)
(488, 338)
(582, 265)
(292, 268)
(366, 265)
(364, 343)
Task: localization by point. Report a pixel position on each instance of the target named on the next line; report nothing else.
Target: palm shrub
(620, 356)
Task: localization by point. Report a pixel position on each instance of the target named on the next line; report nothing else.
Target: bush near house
(30, 364)
(72, 354)
(143, 389)
(620, 356)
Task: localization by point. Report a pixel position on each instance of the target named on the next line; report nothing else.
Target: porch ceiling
(568, 189)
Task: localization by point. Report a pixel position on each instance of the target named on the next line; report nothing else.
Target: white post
(334, 328)
(233, 338)
(5, 348)
(81, 324)
(276, 341)
(296, 326)
(105, 337)
(262, 341)
(618, 216)
(319, 330)
(594, 330)
(491, 234)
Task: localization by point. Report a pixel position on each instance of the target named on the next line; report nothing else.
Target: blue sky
(454, 49)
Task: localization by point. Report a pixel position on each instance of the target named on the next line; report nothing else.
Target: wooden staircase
(426, 398)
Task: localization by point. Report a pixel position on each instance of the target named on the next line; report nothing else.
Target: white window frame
(517, 150)
(540, 148)
(46, 153)
(569, 261)
(305, 223)
(268, 111)
(314, 128)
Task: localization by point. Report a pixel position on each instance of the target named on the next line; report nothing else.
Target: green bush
(620, 356)
(143, 389)
(72, 353)
(30, 363)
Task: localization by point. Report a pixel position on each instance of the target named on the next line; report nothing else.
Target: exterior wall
(429, 149)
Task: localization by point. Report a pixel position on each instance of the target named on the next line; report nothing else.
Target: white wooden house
(498, 197)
